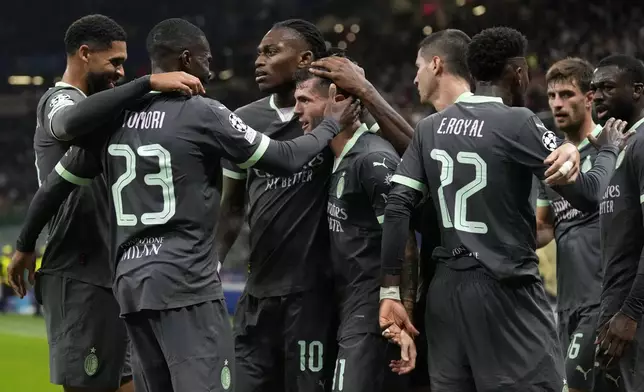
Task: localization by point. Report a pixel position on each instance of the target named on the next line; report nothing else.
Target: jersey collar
(636, 125)
(63, 84)
(468, 97)
(596, 131)
(347, 147)
(280, 112)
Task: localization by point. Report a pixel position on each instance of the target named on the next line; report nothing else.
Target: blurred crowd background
(381, 35)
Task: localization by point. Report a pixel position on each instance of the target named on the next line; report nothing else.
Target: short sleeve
(57, 103)
(80, 165)
(542, 196)
(376, 172)
(234, 139)
(532, 144)
(411, 171)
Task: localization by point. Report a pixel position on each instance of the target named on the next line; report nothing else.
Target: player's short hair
(572, 70)
(171, 37)
(309, 33)
(96, 31)
(303, 74)
(628, 65)
(451, 46)
(491, 49)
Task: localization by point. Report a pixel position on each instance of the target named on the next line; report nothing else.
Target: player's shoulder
(254, 107)
(376, 149)
(62, 94)
(523, 114)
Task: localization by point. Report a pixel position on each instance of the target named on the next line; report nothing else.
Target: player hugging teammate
(333, 213)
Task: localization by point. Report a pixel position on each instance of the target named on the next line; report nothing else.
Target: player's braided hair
(96, 31)
(490, 50)
(309, 33)
(171, 37)
(629, 65)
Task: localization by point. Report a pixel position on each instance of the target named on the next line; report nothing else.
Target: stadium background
(382, 35)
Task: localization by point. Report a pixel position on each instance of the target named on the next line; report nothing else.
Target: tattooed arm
(409, 278)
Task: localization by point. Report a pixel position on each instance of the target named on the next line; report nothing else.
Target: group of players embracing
(146, 186)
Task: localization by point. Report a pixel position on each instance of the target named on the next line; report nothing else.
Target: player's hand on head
(345, 110)
(177, 81)
(564, 165)
(614, 337)
(20, 270)
(408, 354)
(612, 134)
(392, 313)
(343, 72)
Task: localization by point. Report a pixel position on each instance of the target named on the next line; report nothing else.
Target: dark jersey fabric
(77, 237)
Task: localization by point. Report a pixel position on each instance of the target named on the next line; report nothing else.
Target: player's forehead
(308, 88)
(117, 50)
(563, 85)
(420, 60)
(610, 73)
(280, 37)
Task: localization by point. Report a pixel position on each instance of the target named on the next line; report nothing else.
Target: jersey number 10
(460, 221)
(162, 179)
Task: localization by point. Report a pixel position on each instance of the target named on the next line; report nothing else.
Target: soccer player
(289, 262)
(87, 339)
(357, 193)
(618, 84)
(159, 162)
(579, 269)
(477, 157)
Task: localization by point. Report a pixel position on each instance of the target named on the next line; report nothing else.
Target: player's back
(77, 238)
(161, 165)
(480, 186)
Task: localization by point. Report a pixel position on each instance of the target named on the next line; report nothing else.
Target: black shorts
(183, 349)
(363, 365)
(283, 343)
(577, 333)
(87, 339)
(628, 376)
(419, 377)
(484, 335)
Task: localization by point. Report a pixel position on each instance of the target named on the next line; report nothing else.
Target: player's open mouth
(601, 112)
(260, 76)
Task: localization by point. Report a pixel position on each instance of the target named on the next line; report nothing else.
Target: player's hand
(614, 337)
(343, 72)
(612, 134)
(21, 263)
(176, 81)
(407, 361)
(393, 312)
(346, 111)
(564, 165)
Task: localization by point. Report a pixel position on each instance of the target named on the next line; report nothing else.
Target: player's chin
(265, 85)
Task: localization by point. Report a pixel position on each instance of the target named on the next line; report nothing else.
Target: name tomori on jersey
(459, 126)
(144, 120)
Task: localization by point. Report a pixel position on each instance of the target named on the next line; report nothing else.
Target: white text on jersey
(459, 126)
(144, 120)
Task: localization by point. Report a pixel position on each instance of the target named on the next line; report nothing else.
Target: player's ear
(638, 88)
(185, 61)
(306, 58)
(84, 53)
(437, 65)
(588, 99)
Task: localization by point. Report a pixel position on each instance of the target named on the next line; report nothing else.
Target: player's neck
(582, 133)
(285, 99)
(638, 115)
(492, 90)
(342, 138)
(451, 88)
(75, 77)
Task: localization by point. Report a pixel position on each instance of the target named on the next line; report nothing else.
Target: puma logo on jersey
(613, 379)
(581, 370)
(375, 164)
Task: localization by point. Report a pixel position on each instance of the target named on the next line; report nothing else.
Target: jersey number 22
(460, 221)
(162, 179)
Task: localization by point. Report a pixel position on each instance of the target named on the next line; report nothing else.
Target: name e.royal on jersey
(143, 120)
(459, 126)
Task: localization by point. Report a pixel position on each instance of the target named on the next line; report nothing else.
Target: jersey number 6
(162, 179)
(460, 221)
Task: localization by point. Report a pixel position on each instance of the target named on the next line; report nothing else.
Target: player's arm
(545, 218)
(248, 148)
(76, 118)
(350, 77)
(410, 272)
(531, 145)
(232, 208)
(77, 168)
(633, 306)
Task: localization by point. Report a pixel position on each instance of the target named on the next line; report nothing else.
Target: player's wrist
(391, 292)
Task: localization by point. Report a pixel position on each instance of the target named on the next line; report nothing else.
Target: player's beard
(99, 81)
